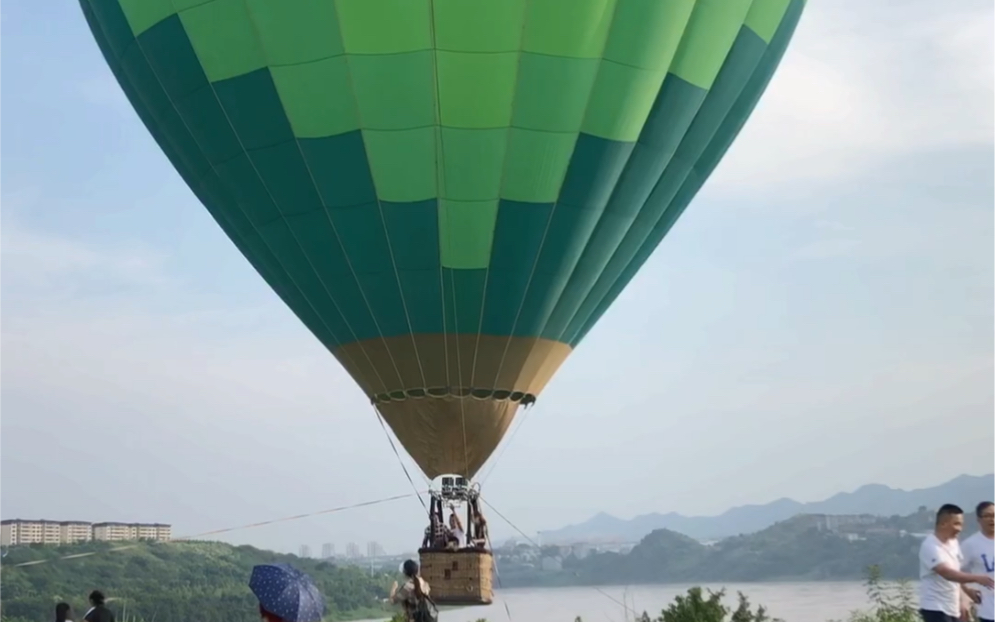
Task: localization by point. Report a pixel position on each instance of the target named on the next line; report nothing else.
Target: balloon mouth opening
(457, 393)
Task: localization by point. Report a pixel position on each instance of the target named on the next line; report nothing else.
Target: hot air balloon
(448, 193)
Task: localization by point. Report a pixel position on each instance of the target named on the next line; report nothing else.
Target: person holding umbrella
(286, 594)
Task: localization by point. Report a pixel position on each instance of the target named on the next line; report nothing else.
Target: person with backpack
(414, 595)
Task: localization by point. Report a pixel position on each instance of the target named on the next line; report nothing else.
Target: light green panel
(384, 26)
(765, 16)
(713, 26)
(394, 91)
(296, 31)
(491, 26)
(466, 232)
(535, 165)
(224, 38)
(476, 90)
(621, 101)
(317, 97)
(574, 28)
(472, 163)
(143, 14)
(402, 163)
(646, 33)
(552, 92)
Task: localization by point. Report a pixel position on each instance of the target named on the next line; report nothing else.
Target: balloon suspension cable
(618, 602)
(214, 532)
(397, 454)
(497, 573)
(466, 451)
(506, 443)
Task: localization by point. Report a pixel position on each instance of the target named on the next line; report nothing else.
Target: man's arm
(957, 576)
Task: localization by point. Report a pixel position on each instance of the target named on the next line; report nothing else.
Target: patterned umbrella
(287, 592)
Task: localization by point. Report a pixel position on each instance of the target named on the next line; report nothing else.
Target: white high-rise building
(18, 531)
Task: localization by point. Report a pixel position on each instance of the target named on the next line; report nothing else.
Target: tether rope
(504, 446)
(535, 544)
(399, 459)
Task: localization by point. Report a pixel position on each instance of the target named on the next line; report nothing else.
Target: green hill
(171, 582)
(806, 547)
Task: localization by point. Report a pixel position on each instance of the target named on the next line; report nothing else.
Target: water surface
(792, 602)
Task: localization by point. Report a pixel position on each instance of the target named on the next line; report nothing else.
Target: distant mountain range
(875, 499)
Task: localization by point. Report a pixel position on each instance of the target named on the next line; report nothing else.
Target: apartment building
(373, 549)
(20, 531)
(352, 551)
(71, 531)
(114, 532)
(14, 532)
(51, 532)
(29, 532)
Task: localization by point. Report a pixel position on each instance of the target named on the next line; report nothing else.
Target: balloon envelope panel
(448, 193)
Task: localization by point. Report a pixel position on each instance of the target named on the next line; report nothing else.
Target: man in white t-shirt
(979, 557)
(942, 595)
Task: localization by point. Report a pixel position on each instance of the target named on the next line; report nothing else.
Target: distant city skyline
(352, 550)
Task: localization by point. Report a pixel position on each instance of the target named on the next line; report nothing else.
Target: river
(792, 602)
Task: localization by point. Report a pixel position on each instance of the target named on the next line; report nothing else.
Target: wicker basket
(460, 577)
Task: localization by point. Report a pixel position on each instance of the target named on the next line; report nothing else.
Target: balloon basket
(462, 577)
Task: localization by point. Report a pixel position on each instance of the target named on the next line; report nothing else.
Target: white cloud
(36, 261)
(863, 82)
(93, 312)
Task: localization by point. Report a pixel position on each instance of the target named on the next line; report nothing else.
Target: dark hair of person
(410, 568)
(947, 509)
(97, 597)
(269, 616)
(62, 612)
(984, 505)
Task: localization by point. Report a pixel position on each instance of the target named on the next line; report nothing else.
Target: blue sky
(820, 318)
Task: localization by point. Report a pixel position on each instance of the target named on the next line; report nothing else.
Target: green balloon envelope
(448, 193)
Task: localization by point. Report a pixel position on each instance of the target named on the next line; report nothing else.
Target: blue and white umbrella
(287, 592)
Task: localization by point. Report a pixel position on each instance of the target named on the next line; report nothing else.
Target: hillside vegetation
(171, 582)
(800, 548)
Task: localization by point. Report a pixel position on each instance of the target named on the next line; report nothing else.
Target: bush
(890, 601)
(696, 607)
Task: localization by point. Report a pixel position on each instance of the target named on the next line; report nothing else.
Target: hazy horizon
(820, 318)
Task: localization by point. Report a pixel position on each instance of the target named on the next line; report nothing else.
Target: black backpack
(424, 609)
